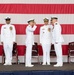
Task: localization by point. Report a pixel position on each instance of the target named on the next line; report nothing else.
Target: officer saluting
(57, 40)
(45, 40)
(8, 36)
(29, 41)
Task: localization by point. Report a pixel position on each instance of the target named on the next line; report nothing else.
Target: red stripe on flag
(37, 8)
(21, 50)
(66, 28)
(64, 50)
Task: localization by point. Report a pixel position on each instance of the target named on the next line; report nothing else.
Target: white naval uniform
(45, 40)
(8, 37)
(57, 38)
(29, 43)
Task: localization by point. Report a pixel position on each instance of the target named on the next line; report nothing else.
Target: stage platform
(38, 69)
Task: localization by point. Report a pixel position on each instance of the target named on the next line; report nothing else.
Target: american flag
(21, 11)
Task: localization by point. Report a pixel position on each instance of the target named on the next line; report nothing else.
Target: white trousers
(8, 47)
(58, 50)
(46, 53)
(28, 54)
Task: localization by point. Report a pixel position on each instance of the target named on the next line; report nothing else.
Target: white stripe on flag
(38, 1)
(23, 18)
(21, 39)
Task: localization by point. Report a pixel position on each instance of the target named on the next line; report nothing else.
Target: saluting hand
(34, 23)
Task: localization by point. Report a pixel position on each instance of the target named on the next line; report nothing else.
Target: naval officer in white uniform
(45, 40)
(8, 36)
(29, 41)
(57, 40)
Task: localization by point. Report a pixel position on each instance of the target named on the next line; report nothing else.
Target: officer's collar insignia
(55, 23)
(11, 28)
